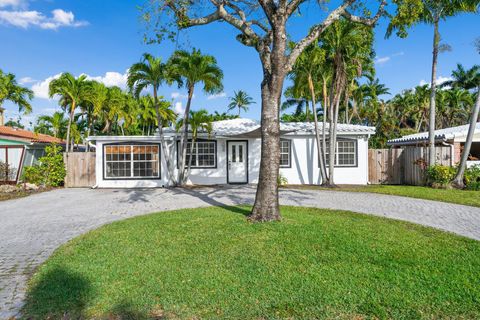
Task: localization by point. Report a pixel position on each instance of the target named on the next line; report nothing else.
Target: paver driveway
(32, 228)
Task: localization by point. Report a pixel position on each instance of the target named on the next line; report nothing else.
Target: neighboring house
(454, 137)
(20, 148)
(230, 155)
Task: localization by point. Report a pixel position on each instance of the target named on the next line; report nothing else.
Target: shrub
(50, 171)
(440, 176)
(282, 180)
(472, 178)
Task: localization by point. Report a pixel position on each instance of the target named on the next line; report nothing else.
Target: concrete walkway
(32, 228)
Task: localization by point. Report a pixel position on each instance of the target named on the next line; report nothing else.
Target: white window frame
(131, 161)
(289, 153)
(196, 155)
(337, 153)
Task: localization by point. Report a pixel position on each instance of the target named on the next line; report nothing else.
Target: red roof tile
(28, 135)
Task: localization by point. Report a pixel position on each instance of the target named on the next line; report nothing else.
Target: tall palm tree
(432, 12)
(191, 69)
(11, 91)
(55, 124)
(240, 100)
(97, 96)
(152, 73)
(464, 79)
(199, 121)
(474, 79)
(72, 92)
(348, 46)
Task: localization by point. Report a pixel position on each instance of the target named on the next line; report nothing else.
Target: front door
(237, 161)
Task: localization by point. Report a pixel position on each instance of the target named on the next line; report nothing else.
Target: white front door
(237, 162)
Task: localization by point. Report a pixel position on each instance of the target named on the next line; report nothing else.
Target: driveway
(32, 228)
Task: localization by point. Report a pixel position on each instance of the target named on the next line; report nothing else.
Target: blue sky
(43, 38)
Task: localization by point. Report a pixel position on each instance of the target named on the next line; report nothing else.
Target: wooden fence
(404, 166)
(80, 169)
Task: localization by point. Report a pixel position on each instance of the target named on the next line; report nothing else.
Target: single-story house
(229, 155)
(20, 148)
(454, 137)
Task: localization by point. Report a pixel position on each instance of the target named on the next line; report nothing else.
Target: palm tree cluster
(11, 91)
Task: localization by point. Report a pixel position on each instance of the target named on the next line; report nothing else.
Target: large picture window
(203, 153)
(285, 153)
(132, 161)
(346, 155)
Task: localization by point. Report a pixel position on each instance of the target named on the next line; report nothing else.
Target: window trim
(131, 144)
(289, 153)
(199, 167)
(355, 141)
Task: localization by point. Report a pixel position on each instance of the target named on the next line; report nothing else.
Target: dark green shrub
(440, 176)
(50, 170)
(472, 178)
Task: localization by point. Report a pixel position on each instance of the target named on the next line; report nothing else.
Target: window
(204, 154)
(285, 154)
(132, 161)
(346, 155)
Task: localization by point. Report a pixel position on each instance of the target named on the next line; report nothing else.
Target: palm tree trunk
(458, 181)
(184, 139)
(323, 172)
(194, 147)
(166, 155)
(432, 116)
(70, 120)
(326, 98)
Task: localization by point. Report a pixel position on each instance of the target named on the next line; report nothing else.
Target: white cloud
(11, 3)
(440, 80)
(382, 60)
(217, 96)
(110, 79)
(40, 89)
(27, 80)
(178, 96)
(179, 108)
(26, 19)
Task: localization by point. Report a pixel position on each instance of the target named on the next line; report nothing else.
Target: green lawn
(212, 264)
(465, 197)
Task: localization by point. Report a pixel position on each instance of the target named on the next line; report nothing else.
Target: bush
(50, 171)
(282, 180)
(472, 178)
(440, 176)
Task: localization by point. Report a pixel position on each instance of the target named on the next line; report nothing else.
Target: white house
(455, 137)
(230, 155)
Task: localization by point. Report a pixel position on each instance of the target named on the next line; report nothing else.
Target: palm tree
(11, 91)
(152, 73)
(55, 124)
(240, 100)
(348, 47)
(432, 11)
(97, 96)
(464, 79)
(72, 92)
(200, 121)
(216, 116)
(473, 78)
(190, 69)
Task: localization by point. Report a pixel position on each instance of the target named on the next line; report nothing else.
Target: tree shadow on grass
(58, 294)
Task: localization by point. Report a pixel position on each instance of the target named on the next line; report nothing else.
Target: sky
(40, 39)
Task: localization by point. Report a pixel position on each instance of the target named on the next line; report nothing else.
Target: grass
(212, 264)
(465, 197)
(14, 195)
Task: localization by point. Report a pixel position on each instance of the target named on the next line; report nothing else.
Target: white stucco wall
(304, 168)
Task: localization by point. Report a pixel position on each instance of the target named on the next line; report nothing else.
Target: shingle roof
(28, 135)
(442, 134)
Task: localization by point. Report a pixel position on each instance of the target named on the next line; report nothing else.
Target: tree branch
(292, 6)
(366, 21)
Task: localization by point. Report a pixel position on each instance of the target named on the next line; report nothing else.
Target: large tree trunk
(69, 127)
(432, 116)
(266, 207)
(324, 130)
(184, 139)
(458, 181)
(323, 171)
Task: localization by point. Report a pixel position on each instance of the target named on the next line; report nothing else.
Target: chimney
(2, 118)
